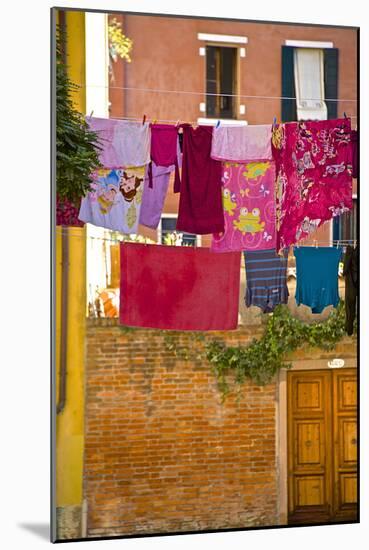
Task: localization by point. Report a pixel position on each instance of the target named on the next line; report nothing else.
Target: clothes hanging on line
(266, 279)
(314, 176)
(350, 270)
(317, 276)
(122, 142)
(200, 204)
(169, 287)
(354, 142)
(248, 207)
(115, 198)
(242, 143)
(164, 150)
(153, 197)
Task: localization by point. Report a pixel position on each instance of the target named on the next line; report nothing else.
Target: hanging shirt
(200, 204)
(114, 201)
(354, 140)
(122, 142)
(242, 143)
(248, 206)
(314, 176)
(153, 197)
(266, 279)
(317, 276)
(351, 285)
(178, 288)
(164, 150)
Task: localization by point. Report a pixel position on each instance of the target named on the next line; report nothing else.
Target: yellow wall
(70, 422)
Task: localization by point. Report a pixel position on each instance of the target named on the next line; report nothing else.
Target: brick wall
(162, 453)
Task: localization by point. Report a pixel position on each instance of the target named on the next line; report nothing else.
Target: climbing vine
(262, 358)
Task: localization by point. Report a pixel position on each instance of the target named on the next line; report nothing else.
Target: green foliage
(263, 358)
(119, 44)
(76, 146)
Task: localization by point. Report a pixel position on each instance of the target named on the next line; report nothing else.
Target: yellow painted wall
(70, 422)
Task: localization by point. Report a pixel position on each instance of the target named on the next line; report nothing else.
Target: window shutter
(288, 85)
(331, 80)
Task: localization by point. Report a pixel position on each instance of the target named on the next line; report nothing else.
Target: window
(345, 225)
(309, 84)
(169, 235)
(315, 72)
(221, 65)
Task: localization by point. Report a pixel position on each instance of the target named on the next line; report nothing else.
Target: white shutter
(309, 84)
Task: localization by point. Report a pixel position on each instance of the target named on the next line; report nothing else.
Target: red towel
(178, 288)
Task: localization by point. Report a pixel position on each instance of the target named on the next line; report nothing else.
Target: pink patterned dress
(314, 176)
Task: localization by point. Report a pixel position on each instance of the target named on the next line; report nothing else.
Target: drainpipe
(64, 322)
(84, 519)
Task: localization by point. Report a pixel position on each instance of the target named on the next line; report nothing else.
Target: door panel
(322, 446)
(345, 444)
(308, 433)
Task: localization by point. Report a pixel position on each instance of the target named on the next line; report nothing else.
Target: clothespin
(344, 114)
(354, 243)
(316, 243)
(338, 242)
(274, 122)
(154, 121)
(217, 124)
(143, 120)
(92, 112)
(177, 123)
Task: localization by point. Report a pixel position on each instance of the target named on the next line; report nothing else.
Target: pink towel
(249, 207)
(242, 143)
(178, 288)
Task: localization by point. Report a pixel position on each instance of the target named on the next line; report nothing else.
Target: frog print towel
(248, 206)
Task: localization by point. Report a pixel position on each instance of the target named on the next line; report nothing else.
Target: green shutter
(288, 85)
(331, 80)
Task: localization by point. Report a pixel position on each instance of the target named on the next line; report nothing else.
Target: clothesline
(139, 119)
(188, 92)
(69, 230)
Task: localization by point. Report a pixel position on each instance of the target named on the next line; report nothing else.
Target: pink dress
(248, 206)
(314, 176)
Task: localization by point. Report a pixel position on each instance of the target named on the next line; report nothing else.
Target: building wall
(162, 452)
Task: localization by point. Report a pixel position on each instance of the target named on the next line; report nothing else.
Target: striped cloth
(266, 276)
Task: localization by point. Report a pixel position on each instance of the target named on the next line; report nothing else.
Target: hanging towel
(123, 142)
(242, 143)
(164, 150)
(248, 206)
(115, 198)
(178, 288)
(266, 279)
(200, 204)
(351, 285)
(317, 276)
(132, 142)
(314, 176)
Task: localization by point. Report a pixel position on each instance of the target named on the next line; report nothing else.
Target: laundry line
(161, 120)
(69, 231)
(189, 92)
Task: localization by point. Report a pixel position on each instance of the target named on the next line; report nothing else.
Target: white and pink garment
(242, 143)
(122, 142)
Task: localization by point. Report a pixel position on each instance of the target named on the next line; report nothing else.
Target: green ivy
(76, 146)
(262, 359)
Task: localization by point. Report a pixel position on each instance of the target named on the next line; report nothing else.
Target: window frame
(160, 229)
(236, 83)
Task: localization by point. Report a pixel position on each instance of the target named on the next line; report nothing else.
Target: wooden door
(321, 434)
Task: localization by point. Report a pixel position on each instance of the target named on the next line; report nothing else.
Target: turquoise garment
(317, 276)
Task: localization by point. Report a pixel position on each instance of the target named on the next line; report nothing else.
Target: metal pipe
(64, 322)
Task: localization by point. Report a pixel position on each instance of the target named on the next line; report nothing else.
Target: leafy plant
(119, 44)
(77, 147)
(263, 358)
